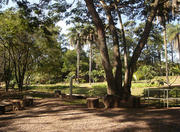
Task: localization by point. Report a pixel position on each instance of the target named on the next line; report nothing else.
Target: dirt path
(50, 115)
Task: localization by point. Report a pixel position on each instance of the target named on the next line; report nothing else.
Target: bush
(145, 72)
(98, 75)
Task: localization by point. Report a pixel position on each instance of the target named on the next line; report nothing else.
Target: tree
(76, 39)
(69, 62)
(24, 36)
(115, 81)
(6, 63)
(90, 37)
(18, 41)
(164, 16)
(173, 34)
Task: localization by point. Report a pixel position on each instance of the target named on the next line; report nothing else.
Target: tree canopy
(125, 34)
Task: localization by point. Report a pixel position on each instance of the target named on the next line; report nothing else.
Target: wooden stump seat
(92, 103)
(28, 101)
(17, 104)
(5, 106)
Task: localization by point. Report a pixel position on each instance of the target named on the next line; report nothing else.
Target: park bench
(5, 106)
(161, 95)
(15, 104)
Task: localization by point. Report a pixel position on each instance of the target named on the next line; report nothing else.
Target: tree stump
(57, 93)
(17, 104)
(28, 101)
(2, 109)
(5, 106)
(92, 103)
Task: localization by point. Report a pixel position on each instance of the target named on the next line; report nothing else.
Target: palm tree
(164, 16)
(173, 34)
(76, 40)
(90, 35)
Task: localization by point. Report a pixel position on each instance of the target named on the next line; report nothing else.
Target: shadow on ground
(52, 112)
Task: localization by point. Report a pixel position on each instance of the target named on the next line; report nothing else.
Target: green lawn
(96, 89)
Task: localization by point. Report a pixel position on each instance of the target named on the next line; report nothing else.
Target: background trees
(125, 37)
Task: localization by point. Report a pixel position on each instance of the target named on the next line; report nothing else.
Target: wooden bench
(5, 106)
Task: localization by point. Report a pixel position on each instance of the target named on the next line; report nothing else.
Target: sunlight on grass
(95, 89)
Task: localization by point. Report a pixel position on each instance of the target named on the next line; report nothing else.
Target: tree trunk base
(111, 101)
(130, 102)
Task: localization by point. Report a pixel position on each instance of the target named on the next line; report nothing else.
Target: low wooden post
(148, 96)
(159, 98)
(167, 98)
(176, 97)
(92, 103)
(71, 85)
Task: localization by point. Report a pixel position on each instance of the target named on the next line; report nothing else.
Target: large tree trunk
(124, 44)
(102, 47)
(140, 46)
(117, 59)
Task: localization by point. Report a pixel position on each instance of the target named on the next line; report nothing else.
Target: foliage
(145, 72)
(36, 47)
(98, 75)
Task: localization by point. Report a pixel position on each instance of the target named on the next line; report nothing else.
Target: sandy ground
(51, 115)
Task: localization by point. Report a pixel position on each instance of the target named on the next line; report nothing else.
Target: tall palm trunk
(90, 62)
(172, 55)
(78, 59)
(166, 57)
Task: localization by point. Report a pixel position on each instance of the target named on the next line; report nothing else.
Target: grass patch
(98, 90)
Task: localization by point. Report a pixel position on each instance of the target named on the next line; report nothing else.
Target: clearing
(53, 115)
